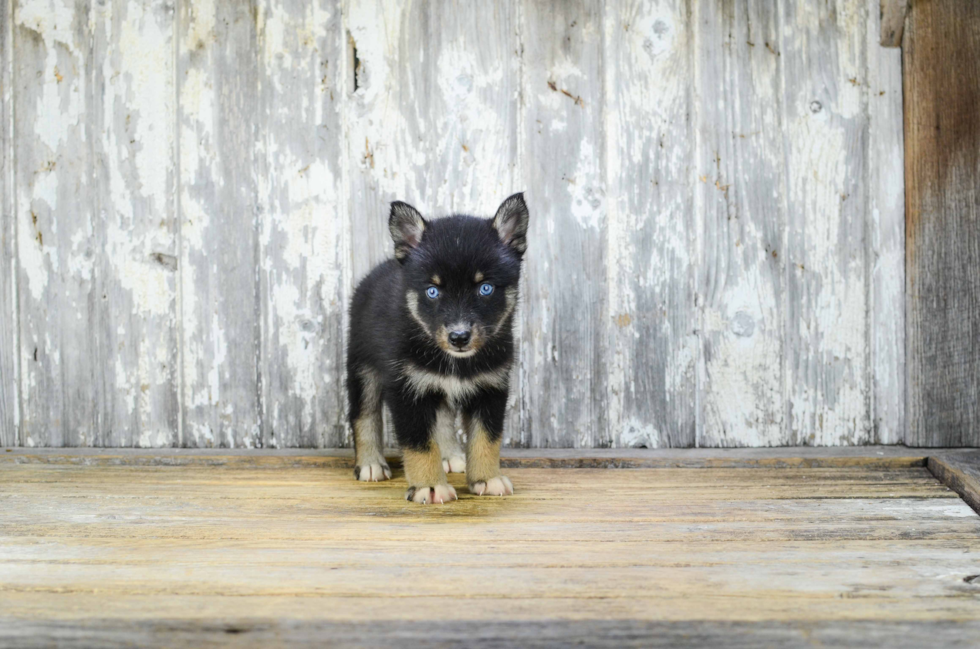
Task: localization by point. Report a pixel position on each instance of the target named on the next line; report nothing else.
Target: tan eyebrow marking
(436, 280)
(479, 277)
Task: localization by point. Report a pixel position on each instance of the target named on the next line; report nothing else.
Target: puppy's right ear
(406, 226)
(510, 222)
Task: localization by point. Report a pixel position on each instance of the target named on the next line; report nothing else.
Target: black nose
(459, 338)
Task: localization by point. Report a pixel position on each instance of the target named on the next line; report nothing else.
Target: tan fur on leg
(483, 463)
(369, 459)
(426, 479)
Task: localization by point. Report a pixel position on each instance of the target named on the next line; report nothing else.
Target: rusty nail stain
(575, 98)
(368, 154)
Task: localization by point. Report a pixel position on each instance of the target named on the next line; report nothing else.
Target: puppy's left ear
(510, 222)
(406, 226)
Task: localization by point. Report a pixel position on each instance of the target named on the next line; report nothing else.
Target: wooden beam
(481, 634)
(9, 371)
(632, 458)
(942, 179)
(961, 473)
(893, 22)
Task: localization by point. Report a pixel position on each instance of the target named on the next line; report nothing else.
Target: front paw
(454, 464)
(499, 486)
(435, 495)
(374, 471)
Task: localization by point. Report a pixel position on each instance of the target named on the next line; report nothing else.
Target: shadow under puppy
(431, 334)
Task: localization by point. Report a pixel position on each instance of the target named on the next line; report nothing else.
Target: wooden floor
(203, 554)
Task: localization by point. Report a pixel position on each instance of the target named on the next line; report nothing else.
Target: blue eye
(432, 292)
(486, 288)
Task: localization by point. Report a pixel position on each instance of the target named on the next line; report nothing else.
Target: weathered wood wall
(942, 122)
(191, 188)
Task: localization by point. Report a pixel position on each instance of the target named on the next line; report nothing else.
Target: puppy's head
(461, 272)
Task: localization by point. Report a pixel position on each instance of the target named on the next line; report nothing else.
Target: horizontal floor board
(116, 548)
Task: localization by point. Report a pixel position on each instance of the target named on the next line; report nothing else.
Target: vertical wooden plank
(60, 232)
(303, 252)
(651, 318)
(94, 131)
(219, 260)
(431, 114)
(740, 185)
(9, 397)
(132, 121)
(565, 309)
(942, 171)
(824, 74)
(887, 212)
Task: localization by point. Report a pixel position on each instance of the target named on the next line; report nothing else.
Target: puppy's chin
(444, 345)
(455, 353)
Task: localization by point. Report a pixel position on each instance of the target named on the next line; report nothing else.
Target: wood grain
(304, 262)
(828, 379)
(961, 473)
(564, 360)
(942, 171)
(94, 151)
(9, 335)
(136, 179)
(611, 634)
(651, 313)
(218, 75)
(886, 179)
(111, 552)
(691, 458)
(892, 16)
(741, 177)
(63, 389)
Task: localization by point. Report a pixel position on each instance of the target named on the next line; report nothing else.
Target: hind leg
(453, 456)
(364, 394)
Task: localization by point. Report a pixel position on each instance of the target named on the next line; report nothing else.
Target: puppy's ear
(510, 222)
(406, 226)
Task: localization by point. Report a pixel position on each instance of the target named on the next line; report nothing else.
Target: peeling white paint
(585, 187)
(636, 434)
(693, 321)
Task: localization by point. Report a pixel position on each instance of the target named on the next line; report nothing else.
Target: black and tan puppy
(431, 335)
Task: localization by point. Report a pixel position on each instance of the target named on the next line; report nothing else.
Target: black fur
(387, 340)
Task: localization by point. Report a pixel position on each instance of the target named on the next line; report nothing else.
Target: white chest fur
(455, 389)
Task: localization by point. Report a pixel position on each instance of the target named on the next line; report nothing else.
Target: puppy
(431, 336)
